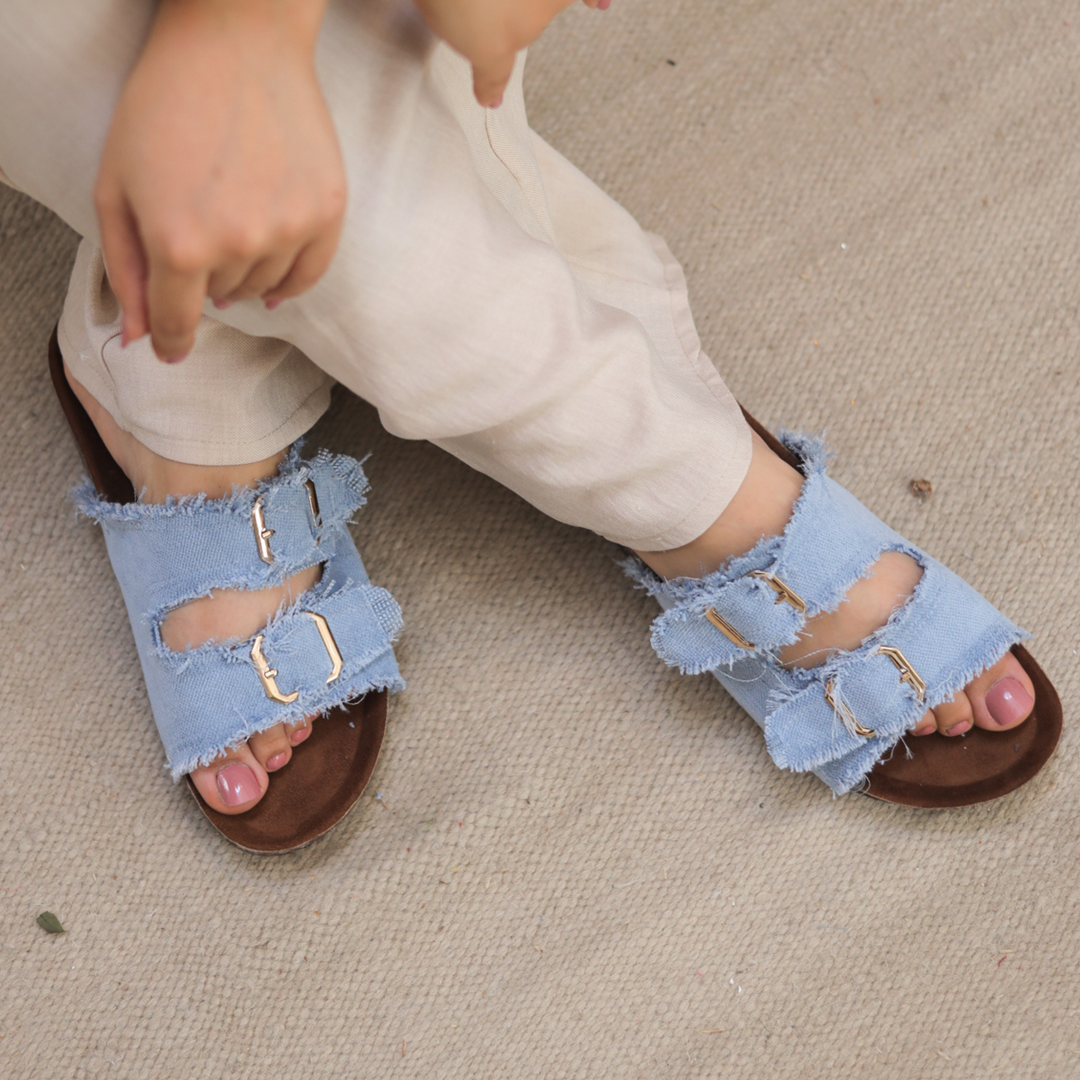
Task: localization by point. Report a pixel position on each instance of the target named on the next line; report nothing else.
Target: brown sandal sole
(938, 772)
(328, 771)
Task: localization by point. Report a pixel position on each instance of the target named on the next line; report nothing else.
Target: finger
(490, 79)
(265, 275)
(225, 279)
(125, 263)
(309, 266)
(175, 300)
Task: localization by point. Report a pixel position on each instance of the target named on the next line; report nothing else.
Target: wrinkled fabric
(485, 295)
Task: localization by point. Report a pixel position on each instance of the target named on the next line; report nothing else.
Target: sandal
(843, 719)
(329, 654)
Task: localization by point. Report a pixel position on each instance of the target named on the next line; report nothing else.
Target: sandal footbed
(324, 778)
(328, 771)
(938, 772)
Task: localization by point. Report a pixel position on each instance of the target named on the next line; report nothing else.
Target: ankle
(761, 507)
(156, 478)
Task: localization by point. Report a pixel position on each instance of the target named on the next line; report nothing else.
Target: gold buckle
(908, 673)
(329, 644)
(727, 629)
(262, 533)
(784, 593)
(847, 717)
(313, 502)
(268, 675)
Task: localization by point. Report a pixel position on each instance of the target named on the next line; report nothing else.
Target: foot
(999, 698)
(237, 780)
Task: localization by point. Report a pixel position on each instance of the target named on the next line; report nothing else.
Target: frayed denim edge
(231, 649)
(90, 504)
(317, 708)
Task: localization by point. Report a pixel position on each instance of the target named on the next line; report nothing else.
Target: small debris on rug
(50, 923)
(921, 489)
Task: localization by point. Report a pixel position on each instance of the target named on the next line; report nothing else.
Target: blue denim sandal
(843, 720)
(329, 654)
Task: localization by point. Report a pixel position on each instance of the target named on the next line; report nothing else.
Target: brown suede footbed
(937, 771)
(328, 770)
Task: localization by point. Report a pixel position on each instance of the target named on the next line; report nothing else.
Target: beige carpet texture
(571, 861)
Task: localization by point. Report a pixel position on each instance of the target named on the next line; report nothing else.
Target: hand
(221, 174)
(490, 33)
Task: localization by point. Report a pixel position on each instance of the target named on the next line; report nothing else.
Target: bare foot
(237, 780)
(999, 698)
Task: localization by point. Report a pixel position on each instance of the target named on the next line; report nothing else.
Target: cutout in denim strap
(829, 543)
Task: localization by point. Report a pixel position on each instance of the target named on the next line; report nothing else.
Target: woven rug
(571, 862)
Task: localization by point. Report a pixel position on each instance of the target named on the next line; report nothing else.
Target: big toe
(1002, 696)
(235, 782)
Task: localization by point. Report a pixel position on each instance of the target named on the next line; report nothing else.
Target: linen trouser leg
(485, 295)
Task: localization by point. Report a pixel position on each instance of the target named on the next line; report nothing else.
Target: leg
(223, 420)
(488, 298)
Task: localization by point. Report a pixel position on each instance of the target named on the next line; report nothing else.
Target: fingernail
(497, 102)
(176, 359)
(271, 304)
(604, 5)
(124, 339)
(221, 305)
(237, 785)
(1007, 701)
(277, 761)
(300, 735)
(959, 729)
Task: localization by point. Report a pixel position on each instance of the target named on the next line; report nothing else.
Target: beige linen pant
(485, 296)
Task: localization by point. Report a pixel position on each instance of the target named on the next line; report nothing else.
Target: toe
(1002, 696)
(234, 783)
(299, 731)
(271, 748)
(954, 717)
(927, 725)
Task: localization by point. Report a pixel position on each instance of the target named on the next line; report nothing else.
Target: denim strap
(766, 596)
(172, 553)
(946, 634)
(212, 697)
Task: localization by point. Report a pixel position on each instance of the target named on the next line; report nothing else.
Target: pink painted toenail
(926, 730)
(299, 736)
(237, 785)
(959, 729)
(1008, 701)
(277, 761)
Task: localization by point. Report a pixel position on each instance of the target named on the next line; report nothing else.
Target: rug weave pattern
(571, 862)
